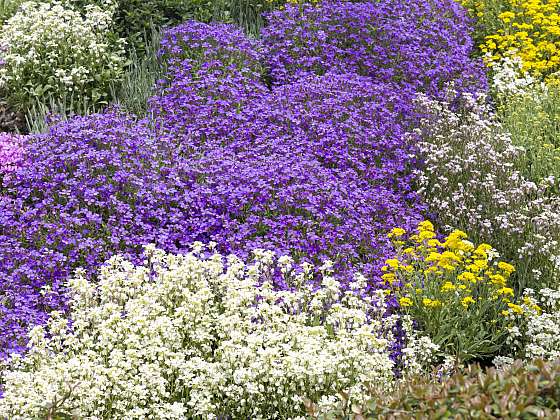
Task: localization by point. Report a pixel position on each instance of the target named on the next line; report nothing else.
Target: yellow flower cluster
(529, 29)
(452, 273)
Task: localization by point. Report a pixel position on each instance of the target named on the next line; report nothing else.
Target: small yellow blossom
(448, 287)
(467, 277)
(426, 225)
(393, 263)
(498, 280)
(515, 308)
(434, 243)
(466, 301)
(477, 266)
(388, 278)
(407, 268)
(507, 268)
(455, 239)
(431, 303)
(482, 250)
(404, 302)
(505, 291)
(426, 235)
(433, 257)
(396, 233)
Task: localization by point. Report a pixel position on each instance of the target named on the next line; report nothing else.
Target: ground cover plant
(190, 342)
(246, 231)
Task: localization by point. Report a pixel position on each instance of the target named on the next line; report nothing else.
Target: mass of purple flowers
(422, 45)
(315, 166)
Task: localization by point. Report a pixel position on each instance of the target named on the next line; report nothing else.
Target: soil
(10, 120)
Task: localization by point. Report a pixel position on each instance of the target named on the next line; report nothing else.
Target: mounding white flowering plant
(202, 335)
(508, 78)
(539, 336)
(48, 51)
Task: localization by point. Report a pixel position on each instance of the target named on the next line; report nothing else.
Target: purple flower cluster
(316, 167)
(213, 71)
(419, 44)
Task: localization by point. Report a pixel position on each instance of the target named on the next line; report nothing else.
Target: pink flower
(11, 152)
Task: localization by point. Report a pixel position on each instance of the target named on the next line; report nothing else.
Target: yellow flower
(482, 250)
(426, 235)
(515, 308)
(498, 280)
(426, 225)
(431, 303)
(530, 30)
(527, 301)
(434, 243)
(466, 301)
(388, 278)
(449, 260)
(407, 268)
(505, 291)
(393, 263)
(455, 239)
(477, 266)
(467, 277)
(448, 287)
(396, 233)
(432, 269)
(505, 267)
(404, 302)
(433, 257)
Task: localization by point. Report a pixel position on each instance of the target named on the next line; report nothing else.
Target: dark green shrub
(134, 19)
(521, 391)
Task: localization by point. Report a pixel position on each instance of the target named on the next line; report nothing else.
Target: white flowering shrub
(202, 335)
(50, 52)
(539, 336)
(471, 179)
(509, 79)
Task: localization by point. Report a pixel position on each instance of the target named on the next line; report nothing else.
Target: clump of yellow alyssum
(457, 291)
(529, 29)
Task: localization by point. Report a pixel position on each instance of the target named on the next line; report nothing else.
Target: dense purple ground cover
(422, 45)
(316, 166)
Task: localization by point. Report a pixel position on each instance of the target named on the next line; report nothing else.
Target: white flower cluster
(202, 335)
(509, 79)
(50, 51)
(470, 179)
(539, 337)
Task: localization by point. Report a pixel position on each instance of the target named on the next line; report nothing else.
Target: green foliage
(245, 13)
(41, 113)
(137, 84)
(520, 391)
(533, 119)
(8, 8)
(134, 19)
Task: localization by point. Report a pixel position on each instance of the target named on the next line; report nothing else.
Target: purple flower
(422, 45)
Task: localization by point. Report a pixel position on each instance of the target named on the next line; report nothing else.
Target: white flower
(188, 335)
